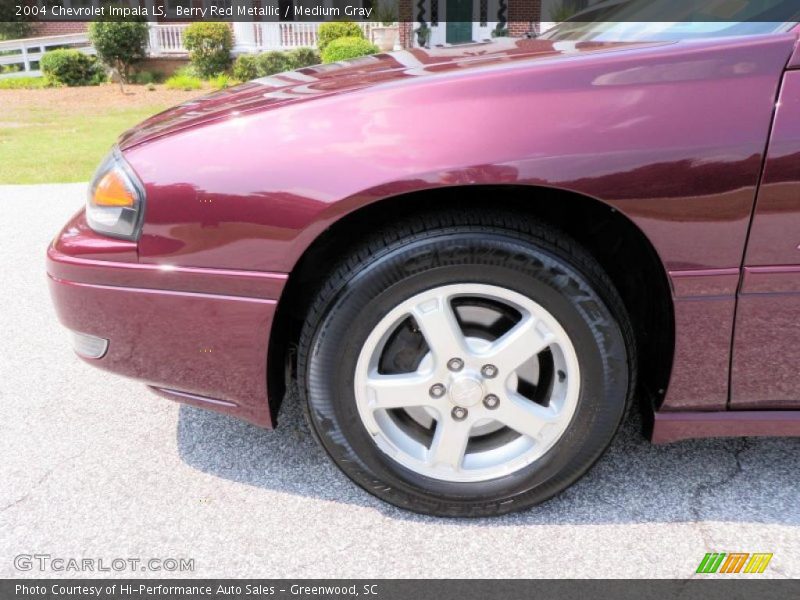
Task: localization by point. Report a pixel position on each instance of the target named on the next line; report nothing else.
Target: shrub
(270, 63)
(335, 30)
(120, 44)
(23, 83)
(220, 82)
(209, 46)
(249, 67)
(183, 82)
(144, 78)
(386, 12)
(348, 47)
(188, 71)
(14, 30)
(100, 75)
(245, 67)
(304, 57)
(70, 67)
(563, 11)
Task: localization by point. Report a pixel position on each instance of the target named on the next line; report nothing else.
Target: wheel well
(616, 243)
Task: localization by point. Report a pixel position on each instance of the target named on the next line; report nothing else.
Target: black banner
(387, 11)
(709, 588)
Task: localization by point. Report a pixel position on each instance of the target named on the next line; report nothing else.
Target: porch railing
(288, 35)
(167, 38)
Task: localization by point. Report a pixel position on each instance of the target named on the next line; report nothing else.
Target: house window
(484, 12)
(434, 13)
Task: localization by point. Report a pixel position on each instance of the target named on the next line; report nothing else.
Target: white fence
(26, 54)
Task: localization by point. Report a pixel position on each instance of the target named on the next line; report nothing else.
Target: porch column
(406, 15)
(154, 42)
(244, 32)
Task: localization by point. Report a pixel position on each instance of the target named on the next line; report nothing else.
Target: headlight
(115, 205)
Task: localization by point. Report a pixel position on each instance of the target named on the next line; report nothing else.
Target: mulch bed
(96, 97)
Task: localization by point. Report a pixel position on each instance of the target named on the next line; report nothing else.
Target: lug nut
(437, 390)
(455, 364)
(491, 401)
(459, 413)
(489, 371)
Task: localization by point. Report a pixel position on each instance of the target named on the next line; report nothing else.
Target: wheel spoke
(527, 339)
(449, 443)
(399, 391)
(440, 328)
(524, 416)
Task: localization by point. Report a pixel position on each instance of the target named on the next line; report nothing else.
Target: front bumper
(198, 336)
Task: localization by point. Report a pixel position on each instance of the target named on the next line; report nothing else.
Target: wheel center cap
(466, 391)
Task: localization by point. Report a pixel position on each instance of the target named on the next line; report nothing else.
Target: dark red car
(474, 259)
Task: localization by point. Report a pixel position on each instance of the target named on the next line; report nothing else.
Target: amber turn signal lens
(111, 190)
(115, 202)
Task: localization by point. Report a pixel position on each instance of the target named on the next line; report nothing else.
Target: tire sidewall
(466, 257)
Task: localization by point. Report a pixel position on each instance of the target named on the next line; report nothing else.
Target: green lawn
(40, 145)
(61, 135)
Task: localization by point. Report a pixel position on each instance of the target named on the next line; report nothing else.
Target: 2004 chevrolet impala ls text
(474, 260)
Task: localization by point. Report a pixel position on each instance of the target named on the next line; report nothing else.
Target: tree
(209, 46)
(120, 45)
(10, 27)
(334, 30)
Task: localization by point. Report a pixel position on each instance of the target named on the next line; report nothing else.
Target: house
(431, 23)
(450, 21)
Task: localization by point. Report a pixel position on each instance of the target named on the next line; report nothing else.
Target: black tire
(477, 247)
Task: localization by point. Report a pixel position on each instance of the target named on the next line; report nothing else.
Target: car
(470, 262)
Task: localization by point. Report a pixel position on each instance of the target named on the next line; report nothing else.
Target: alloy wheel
(467, 382)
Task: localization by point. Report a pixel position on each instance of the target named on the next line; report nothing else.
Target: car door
(766, 347)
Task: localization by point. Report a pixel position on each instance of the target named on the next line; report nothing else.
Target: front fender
(671, 136)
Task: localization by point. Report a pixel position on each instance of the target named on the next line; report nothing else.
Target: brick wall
(521, 15)
(57, 28)
(407, 24)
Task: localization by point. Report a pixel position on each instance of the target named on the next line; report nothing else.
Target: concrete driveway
(95, 466)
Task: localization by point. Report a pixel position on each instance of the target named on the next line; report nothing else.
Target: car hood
(411, 66)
